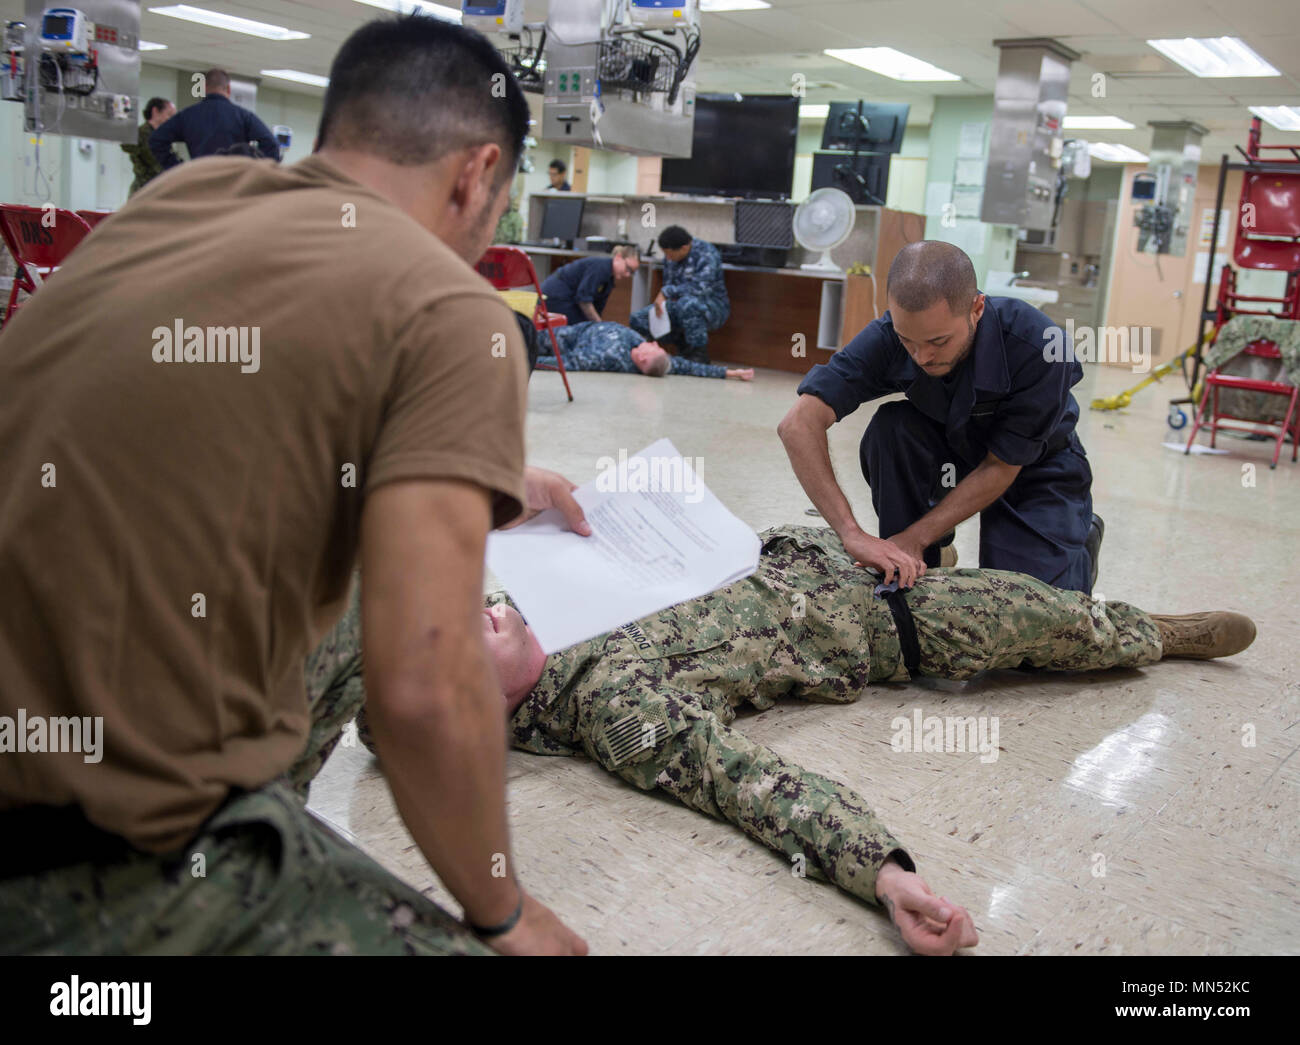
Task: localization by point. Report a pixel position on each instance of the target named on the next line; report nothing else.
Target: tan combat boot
(1204, 636)
(948, 555)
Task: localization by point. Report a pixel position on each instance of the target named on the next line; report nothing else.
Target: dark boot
(1093, 543)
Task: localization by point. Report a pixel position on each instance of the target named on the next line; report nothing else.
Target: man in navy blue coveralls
(987, 428)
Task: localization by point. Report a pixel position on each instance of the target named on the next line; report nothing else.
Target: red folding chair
(93, 217)
(1230, 303)
(509, 268)
(1268, 216)
(1216, 380)
(39, 244)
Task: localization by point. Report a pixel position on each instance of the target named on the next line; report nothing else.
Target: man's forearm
(972, 495)
(589, 310)
(445, 763)
(433, 698)
(810, 456)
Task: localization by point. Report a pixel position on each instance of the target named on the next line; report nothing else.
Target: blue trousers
(691, 317)
(1038, 526)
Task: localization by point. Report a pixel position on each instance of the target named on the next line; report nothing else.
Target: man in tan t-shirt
(241, 380)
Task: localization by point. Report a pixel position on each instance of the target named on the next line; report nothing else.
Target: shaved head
(930, 271)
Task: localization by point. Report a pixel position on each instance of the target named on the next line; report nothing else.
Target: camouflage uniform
(654, 700)
(143, 162)
(272, 879)
(1235, 335)
(510, 226)
(696, 299)
(608, 346)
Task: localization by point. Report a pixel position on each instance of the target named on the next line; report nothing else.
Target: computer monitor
(865, 127)
(562, 218)
(864, 177)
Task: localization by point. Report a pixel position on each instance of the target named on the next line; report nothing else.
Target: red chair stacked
(1268, 237)
(94, 217)
(509, 268)
(40, 240)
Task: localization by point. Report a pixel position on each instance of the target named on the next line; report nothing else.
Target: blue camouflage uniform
(608, 346)
(696, 296)
(1011, 397)
(585, 280)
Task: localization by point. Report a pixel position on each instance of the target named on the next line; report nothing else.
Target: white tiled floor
(1142, 772)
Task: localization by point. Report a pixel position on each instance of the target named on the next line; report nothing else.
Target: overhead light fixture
(217, 20)
(149, 45)
(410, 7)
(1214, 56)
(1283, 117)
(1096, 123)
(1109, 152)
(814, 112)
(713, 6)
(894, 64)
(298, 77)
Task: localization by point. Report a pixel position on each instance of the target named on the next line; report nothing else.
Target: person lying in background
(653, 701)
(614, 347)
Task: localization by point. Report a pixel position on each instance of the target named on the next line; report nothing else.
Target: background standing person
(146, 166)
(212, 126)
(556, 172)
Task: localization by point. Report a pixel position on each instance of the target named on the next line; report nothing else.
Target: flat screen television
(865, 179)
(743, 146)
(881, 129)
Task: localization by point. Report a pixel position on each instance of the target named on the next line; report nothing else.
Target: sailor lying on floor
(654, 701)
(612, 346)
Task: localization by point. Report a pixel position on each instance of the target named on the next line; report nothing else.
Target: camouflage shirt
(143, 162)
(792, 629)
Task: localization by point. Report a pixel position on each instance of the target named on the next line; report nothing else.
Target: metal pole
(1209, 277)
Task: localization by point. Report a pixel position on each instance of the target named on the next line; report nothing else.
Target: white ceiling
(759, 51)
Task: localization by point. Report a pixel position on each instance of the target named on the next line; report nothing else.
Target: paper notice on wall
(971, 143)
(966, 201)
(938, 194)
(1201, 261)
(1207, 229)
(968, 172)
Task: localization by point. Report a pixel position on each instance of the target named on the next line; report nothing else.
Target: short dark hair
(215, 78)
(415, 88)
(928, 271)
(153, 105)
(558, 166)
(674, 237)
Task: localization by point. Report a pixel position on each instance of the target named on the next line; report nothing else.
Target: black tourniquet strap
(906, 629)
